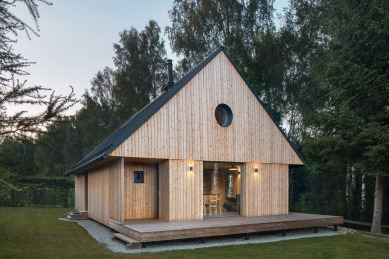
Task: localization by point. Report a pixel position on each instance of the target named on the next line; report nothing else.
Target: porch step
(76, 215)
(131, 243)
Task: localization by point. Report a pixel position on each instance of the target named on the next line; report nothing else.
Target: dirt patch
(382, 237)
(350, 231)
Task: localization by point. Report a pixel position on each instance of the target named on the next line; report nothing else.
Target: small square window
(138, 176)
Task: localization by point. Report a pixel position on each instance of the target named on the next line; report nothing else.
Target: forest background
(323, 72)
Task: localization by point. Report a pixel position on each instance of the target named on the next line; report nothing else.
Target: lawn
(35, 232)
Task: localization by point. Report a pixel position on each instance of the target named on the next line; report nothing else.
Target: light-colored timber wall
(103, 204)
(116, 190)
(98, 194)
(164, 196)
(140, 199)
(181, 190)
(185, 127)
(265, 192)
(80, 192)
(186, 190)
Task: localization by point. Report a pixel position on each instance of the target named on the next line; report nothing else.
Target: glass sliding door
(221, 190)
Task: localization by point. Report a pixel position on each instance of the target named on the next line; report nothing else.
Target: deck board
(148, 230)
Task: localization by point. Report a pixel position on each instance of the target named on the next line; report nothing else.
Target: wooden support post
(247, 236)
(203, 240)
(335, 227)
(315, 230)
(283, 233)
(143, 245)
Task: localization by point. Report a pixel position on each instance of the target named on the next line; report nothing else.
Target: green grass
(35, 232)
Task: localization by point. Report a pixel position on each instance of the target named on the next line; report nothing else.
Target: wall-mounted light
(256, 170)
(233, 168)
(191, 168)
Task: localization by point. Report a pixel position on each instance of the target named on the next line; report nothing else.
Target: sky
(76, 39)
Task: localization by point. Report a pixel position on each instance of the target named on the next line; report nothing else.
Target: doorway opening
(221, 189)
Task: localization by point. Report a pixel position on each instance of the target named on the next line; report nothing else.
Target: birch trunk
(353, 179)
(348, 178)
(291, 186)
(378, 198)
(363, 193)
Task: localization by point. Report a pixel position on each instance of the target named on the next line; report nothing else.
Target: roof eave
(86, 165)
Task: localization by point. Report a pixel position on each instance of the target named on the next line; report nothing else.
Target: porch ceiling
(142, 160)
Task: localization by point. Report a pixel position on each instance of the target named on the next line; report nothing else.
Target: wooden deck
(149, 230)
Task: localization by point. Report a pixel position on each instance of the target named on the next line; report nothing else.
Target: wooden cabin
(206, 148)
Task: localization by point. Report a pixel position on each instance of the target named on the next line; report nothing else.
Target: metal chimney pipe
(170, 82)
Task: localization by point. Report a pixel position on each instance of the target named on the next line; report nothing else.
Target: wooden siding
(185, 127)
(266, 192)
(181, 190)
(98, 194)
(116, 190)
(164, 195)
(80, 192)
(140, 199)
(186, 190)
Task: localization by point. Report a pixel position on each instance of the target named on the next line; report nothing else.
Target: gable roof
(127, 129)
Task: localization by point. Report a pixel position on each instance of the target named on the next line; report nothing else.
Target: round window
(223, 115)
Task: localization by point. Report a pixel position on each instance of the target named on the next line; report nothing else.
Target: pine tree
(14, 92)
(352, 97)
(140, 61)
(49, 158)
(22, 126)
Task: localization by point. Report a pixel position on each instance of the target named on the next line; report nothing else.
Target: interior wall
(236, 183)
(140, 199)
(216, 182)
(265, 192)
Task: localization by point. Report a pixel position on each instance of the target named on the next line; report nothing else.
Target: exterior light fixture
(256, 170)
(234, 168)
(191, 168)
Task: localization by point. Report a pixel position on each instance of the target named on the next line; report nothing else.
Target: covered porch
(150, 230)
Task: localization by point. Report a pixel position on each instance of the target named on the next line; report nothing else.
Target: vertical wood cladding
(181, 190)
(116, 210)
(265, 192)
(114, 195)
(98, 194)
(140, 199)
(185, 127)
(164, 195)
(186, 190)
(184, 133)
(80, 192)
(104, 192)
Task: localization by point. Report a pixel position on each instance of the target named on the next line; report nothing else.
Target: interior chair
(213, 204)
(205, 204)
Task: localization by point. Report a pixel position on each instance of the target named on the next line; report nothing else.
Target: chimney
(170, 82)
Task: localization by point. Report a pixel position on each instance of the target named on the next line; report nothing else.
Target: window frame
(139, 179)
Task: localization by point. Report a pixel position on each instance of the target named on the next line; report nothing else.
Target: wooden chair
(205, 204)
(213, 204)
